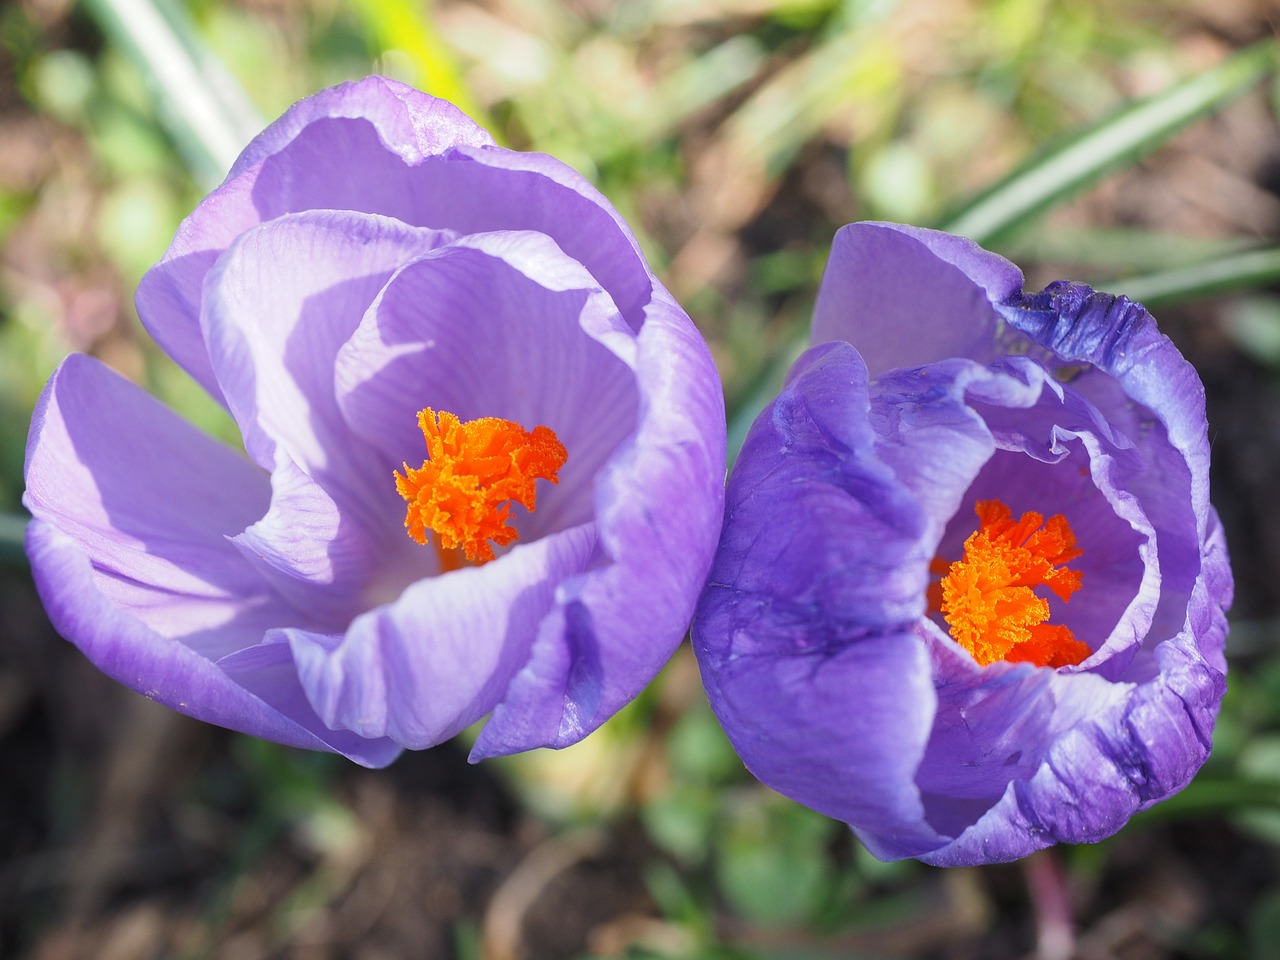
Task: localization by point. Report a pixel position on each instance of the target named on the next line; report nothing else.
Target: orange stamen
(987, 598)
(473, 472)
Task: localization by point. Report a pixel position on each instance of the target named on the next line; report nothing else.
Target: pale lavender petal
(278, 306)
(622, 620)
(535, 192)
(370, 255)
(439, 658)
(408, 123)
(163, 669)
(151, 500)
(906, 296)
(496, 325)
(314, 555)
(349, 149)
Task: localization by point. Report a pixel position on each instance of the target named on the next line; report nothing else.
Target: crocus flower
(483, 449)
(969, 595)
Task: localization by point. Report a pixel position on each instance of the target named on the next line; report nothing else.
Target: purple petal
(310, 551)
(130, 554)
(663, 487)
(373, 127)
(278, 307)
(806, 632)
(1142, 384)
(1142, 747)
(253, 698)
(408, 122)
(906, 296)
(444, 176)
(439, 658)
(152, 501)
(995, 725)
(495, 325)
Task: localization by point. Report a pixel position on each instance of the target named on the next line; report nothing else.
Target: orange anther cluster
(473, 472)
(987, 596)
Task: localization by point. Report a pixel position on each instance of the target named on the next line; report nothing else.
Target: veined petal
(806, 631)
(151, 500)
(439, 658)
(664, 486)
(278, 306)
(907, 296)
(365, 133)
(1124, 756)
(495, 325)
(315, 555)
(373, 255)
(417, 161)
(251, 698)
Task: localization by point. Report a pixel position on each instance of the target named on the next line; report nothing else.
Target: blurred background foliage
(1134, 144)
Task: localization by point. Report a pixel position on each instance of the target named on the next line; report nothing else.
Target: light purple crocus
(370, 255)
(935, 385)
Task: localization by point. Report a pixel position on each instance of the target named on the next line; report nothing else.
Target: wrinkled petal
(1136, 751)
(817, 624)
(906, 296)
(1143, 384)
(957, 432)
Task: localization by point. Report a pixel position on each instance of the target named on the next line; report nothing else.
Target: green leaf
(1226, 274)
(1126, 136)
(199, 103)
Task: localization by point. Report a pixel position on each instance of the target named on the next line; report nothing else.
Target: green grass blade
(1118, 251)
(200, 104)
(1119, 140)
(1228, 274)
(1215, 796)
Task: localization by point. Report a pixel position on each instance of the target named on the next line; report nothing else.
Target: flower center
(473, 472)
(987, 596)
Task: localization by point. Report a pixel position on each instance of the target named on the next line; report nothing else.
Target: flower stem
(1047, 887)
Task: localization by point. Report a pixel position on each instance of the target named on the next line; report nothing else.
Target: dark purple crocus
(483, 449)
(969, 595)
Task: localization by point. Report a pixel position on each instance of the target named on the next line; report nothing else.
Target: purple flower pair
(969, 589)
